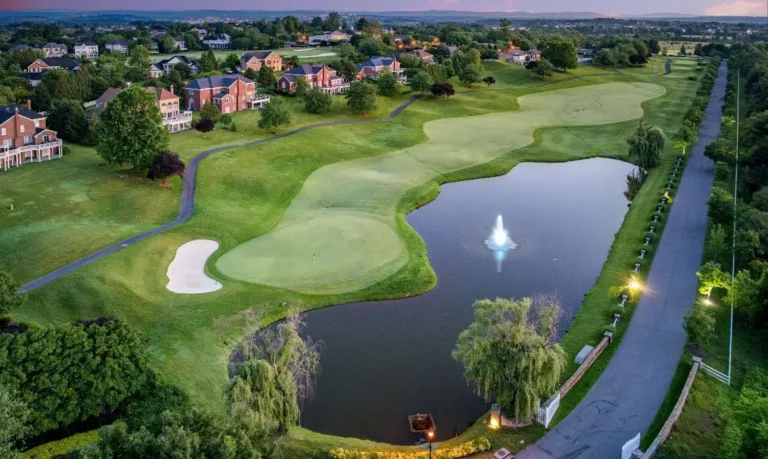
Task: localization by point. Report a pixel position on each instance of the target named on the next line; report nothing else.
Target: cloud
(737, 8)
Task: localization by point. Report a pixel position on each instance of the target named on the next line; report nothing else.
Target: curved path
(187, 205)
(629, 393)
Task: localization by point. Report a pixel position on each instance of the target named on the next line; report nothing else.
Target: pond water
(383, 361)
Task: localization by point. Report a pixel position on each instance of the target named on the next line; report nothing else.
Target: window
(2, 131)
(37, 123)
(28, 140)
(21, 129)
(46, 138)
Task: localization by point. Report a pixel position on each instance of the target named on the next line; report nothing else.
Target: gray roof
(378, 62)
(216, 81)
(257, 54)
(63, 62)
(117, 42)
(55, 46)
(86, 43)
(184, 59)
(7, 112)
(19, 48)
(305, 69)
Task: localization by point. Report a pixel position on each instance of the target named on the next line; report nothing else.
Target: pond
(383, 361)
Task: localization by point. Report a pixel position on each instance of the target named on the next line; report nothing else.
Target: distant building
(50, 63)
(373, 67)
(219, 42)
(179, 44)
(336, 36)
(159, 69)
(25, 138)
(117, 46)
(17, 48)
(319, 77)
(87, 49)
(257, 59)
(200, 32)
(425, 57)
(55, 50)
(232, 93)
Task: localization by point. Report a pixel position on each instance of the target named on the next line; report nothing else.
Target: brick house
(87, 49)
(50, 63)
(55, 50)
(25, 138)
(232, 93)
(373, 67)
(169, 104)
(117, 46)
(320, 77)
(425, 57)
(256, 59)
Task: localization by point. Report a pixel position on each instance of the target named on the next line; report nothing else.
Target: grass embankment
(244, 192)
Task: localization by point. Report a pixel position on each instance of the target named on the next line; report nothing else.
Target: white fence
(547, 412)
(720, 376)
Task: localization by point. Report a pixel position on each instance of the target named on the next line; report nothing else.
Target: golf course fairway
(339, 234)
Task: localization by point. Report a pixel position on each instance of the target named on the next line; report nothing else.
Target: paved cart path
(630, 391)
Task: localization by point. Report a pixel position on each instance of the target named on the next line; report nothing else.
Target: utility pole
(735, 202)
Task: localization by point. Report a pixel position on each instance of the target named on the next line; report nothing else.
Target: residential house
(335, 36)
(232, 93)
(179, 44)
(373, 67)
(50, 63)
(55, 50)
(222, 41)
(117, 46)
(256, 59)
(19, 48)
(158, 69)
(585, 55)
(426, 58)
(515, 57)
(174, 119)
(25, 138)
(200, 32)
(320, 77)
(155, 33)
(88, 49)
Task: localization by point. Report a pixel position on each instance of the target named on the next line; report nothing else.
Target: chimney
(29, 104)
(172, 89)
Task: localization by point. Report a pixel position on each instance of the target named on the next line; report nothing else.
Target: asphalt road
(630, 391)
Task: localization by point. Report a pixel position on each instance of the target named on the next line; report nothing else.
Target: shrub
(657, 214)
(692, 78)
(477, 445)
(317, 102)
(648, 249)
(166, 164)
(210, 111)
(650, 235)
(225, 119)
(205, 125)
(444, 90)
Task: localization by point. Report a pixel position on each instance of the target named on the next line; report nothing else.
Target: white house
(222, 41)
(55, 50)
(117, 46)
(87, 49)
(179, 44)
(335, 36)
(201, 33)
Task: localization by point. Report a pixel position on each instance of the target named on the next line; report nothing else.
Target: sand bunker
(186, 273)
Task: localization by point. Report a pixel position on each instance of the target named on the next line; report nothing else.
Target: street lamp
(430, 436)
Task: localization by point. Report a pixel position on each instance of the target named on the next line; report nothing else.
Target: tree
(711, 277)
(510, 353)
(442, 90)
(318, 102)
(345, 68)
(716, 245)
(420, 82)
(10, 298)
(130, 129)
(167, 45)
(275, 370)
(13, 422)
(361, 97)
(699, 323)
(544, 68)
(471, 74)
(683, 50)
(333, 21)
(274, 115)
(208, 62)
(75, 372)
(745, 295)
(210, 111)
(67, 117)
(560, 51)
(387, 85)
(489, 80)
(6, 96)
(251, 74)
(605, 58)
(760, 199)
(41, 98)
(231, 61)
(645, 146)
(166, 164)
(302, 87)
(266, 78)
(720, 206)
(635, 180)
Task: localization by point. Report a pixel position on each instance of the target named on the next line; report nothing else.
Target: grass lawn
(247, 192)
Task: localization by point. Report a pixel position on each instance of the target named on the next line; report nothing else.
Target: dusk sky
(615, 7)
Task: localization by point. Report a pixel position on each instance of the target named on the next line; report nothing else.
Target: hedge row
(475, 446)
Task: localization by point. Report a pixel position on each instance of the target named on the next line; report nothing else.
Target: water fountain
(499, 242)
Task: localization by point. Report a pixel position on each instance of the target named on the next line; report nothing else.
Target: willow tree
(645, 145)
(510, 354)
(274, 370)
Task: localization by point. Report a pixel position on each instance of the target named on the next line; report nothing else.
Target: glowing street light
(635, 285)
(430, 436)
(707, 301)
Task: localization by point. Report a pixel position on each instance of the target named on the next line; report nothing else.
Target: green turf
(245, 192)
(305, 54)
(317, 247)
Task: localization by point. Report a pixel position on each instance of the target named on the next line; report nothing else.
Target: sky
(608, 7)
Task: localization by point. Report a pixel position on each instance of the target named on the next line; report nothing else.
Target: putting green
(339, 234)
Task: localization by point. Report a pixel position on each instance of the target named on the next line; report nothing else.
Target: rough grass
(244, 192)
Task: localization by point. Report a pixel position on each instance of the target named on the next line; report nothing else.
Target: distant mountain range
(434, 15)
